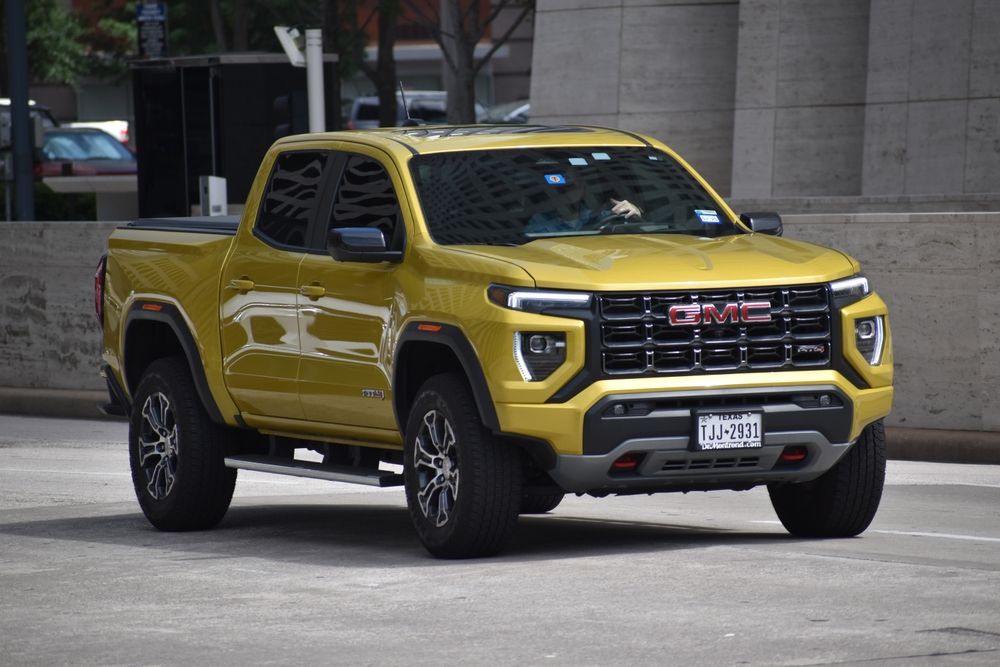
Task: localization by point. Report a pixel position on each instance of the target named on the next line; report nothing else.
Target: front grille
(637, 337)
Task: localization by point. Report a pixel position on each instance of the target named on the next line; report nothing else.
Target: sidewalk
(908, 444)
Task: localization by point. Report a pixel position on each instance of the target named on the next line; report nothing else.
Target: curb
(903, 444)
(942, 446)
(73, 403)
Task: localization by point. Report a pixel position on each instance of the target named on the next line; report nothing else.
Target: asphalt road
(311, 572)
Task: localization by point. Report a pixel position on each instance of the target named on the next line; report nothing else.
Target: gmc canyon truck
(493, 317)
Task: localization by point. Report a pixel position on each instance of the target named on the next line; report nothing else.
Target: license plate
(728, 430)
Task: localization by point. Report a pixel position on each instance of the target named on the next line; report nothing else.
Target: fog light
(869, 339)
(794, 454)
(537, 355)
(626, 462)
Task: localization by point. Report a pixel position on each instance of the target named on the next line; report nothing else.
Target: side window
(365, 198)
(291, 198)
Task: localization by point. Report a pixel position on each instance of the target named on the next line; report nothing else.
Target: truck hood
(670, 261)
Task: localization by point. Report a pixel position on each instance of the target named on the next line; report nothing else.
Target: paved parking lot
(313, 572)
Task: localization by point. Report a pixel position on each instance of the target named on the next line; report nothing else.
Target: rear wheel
(463, 487)
(176, 452)
(841, 503)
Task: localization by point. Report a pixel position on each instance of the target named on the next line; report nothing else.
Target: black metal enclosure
(215, 116)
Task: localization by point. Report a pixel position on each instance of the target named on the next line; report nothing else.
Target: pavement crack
(938, 654)
(964, 632)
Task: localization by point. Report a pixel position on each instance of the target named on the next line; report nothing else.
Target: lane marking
(926, 483)
(944, 536)
(128, 474)
(64, 472)
(915, 533)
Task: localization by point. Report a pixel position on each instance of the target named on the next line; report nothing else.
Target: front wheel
(176, 452)
(841, 503)
(463, 487)
(540, 503)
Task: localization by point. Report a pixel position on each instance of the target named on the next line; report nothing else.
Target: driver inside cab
(568, 212)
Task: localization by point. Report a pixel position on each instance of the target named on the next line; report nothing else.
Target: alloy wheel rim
(158, 448)
(436, 464)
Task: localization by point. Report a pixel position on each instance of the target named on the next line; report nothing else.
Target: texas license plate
(728, 430)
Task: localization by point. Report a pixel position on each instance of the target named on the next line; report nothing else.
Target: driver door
(347, 310)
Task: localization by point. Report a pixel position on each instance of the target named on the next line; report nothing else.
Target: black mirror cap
(360, 244)
(763, 222)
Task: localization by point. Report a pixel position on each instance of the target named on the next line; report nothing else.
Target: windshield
(83, 146)
(512, 197)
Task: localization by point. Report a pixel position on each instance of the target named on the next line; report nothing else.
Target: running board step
(349, 474)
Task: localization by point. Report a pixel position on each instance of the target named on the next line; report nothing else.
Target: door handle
(241, 284)
(312, 291)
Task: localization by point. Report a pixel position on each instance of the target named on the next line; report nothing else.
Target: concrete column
(932, 124)
(800, 95)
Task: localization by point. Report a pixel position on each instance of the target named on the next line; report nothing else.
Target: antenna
(409, 122)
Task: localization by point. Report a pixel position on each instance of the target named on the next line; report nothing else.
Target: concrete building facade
(787, 98)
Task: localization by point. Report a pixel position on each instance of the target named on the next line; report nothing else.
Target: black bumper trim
(671, 414)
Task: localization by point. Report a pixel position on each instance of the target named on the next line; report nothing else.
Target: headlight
(869, 337)
(537, 355)
(537, 301)
(849, 290)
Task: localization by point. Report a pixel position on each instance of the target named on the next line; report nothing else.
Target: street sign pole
(314, 80)
(312, 59)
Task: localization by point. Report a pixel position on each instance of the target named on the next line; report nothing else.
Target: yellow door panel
(260, 334)
(346, 308)
(344, 377)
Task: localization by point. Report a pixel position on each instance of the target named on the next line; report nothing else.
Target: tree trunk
(459, 72)
(218, 27)
(241, 27)
(385, 67)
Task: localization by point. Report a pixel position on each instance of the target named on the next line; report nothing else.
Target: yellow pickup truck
(493, 317)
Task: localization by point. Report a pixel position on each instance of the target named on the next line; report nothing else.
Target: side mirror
(763, 223)
(360, 244)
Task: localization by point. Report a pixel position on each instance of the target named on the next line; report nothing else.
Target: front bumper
(668, 464)
(819, 411)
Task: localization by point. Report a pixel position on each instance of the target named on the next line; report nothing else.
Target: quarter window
(291, 198)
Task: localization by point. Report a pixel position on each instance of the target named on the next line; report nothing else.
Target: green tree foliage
(55, 49)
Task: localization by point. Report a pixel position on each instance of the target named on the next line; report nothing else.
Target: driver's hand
(625, 208)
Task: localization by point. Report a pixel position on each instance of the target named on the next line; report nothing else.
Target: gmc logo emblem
(731, 313)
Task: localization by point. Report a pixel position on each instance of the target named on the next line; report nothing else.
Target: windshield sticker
(555, 179)
(600, 156)
(707, 216)
(578, 162)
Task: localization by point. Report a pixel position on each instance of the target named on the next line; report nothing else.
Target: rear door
(260, 286)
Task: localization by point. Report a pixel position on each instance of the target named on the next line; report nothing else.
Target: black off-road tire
(841, 503)
(478, 487)
(178, 467)
(540, 503)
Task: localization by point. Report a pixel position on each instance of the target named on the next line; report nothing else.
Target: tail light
(102, 266)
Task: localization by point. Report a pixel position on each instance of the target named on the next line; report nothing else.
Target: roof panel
(446, 138)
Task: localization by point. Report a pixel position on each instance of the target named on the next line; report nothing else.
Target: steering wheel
(606, 223)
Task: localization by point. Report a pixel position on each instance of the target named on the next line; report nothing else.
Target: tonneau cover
(215, 224)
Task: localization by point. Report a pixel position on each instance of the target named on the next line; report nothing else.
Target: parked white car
(116, 128)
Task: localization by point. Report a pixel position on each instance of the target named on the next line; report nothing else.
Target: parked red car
(83, 152)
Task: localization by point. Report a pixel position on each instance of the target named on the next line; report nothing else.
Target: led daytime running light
(855, 286)
(534, 301)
